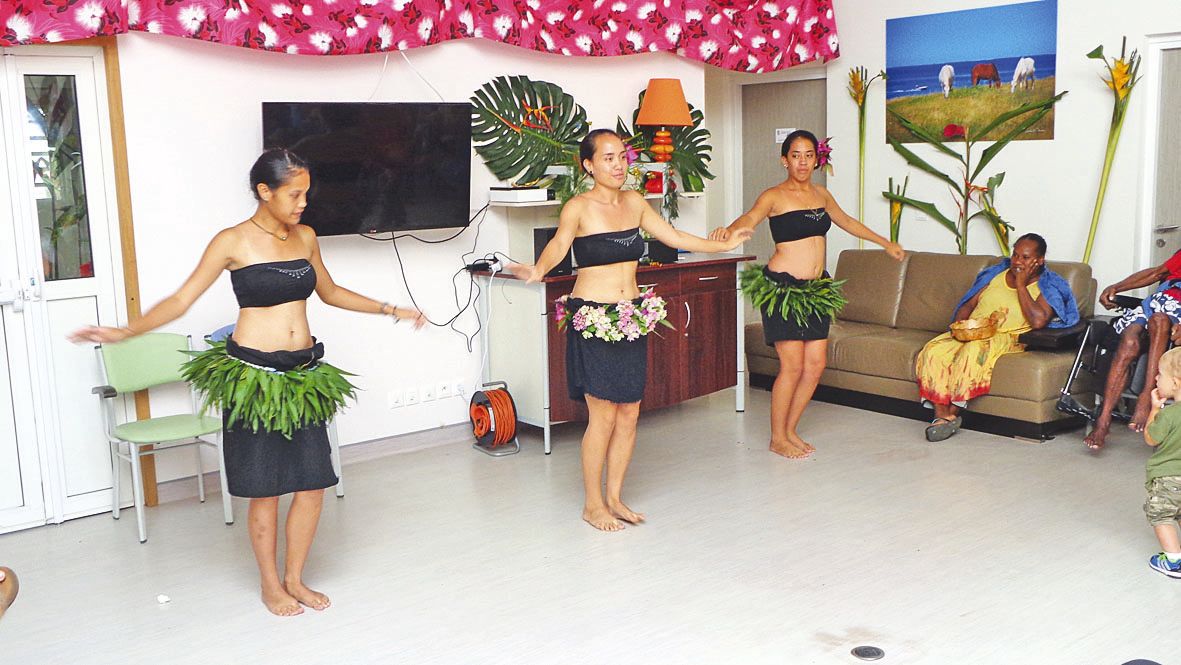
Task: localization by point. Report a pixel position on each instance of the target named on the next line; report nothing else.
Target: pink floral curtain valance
(740, 35)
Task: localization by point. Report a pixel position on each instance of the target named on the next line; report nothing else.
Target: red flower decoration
(953, 131)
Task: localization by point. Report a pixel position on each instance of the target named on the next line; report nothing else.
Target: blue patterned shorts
(1158, 303)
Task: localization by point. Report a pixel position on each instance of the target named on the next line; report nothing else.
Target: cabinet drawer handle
(645, 287)
(707, 279)
(688, 318)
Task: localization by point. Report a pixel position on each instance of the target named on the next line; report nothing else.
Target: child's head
(1168, 378)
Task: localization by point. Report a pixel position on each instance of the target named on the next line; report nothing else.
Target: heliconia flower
(856, 85)
(954, 131)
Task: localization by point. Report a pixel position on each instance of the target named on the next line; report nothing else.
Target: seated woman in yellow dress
(1019, 294)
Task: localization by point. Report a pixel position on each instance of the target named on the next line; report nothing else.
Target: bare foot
(800, 443)
(1096, 438)
(788, 449)
(620, 510)
(313, 599)
(280, 603)
(1140, 415)
(9, 586)
(601, 519)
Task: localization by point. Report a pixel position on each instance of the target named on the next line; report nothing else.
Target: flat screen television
(378, 166)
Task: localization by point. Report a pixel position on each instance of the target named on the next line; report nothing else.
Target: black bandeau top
(600, 249)
(273, 283)
(800, 224)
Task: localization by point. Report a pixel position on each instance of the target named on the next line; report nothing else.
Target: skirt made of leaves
(793, 309)
(612, 371)
(267, 454)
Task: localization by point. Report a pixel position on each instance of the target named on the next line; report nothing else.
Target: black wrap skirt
(264, 463)
(777, 328)
(612, 371)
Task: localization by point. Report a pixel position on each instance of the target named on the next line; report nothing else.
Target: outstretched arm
(747, 220)
(556, 248)
(1136, 280)
(338, 296)
(659, 228)
(215, 259)
(856, 228)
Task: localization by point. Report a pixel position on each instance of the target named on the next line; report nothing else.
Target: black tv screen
(378, 166)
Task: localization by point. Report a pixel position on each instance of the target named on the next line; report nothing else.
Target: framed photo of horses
(967, 67)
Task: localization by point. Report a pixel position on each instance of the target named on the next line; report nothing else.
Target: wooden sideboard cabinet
(701, 354)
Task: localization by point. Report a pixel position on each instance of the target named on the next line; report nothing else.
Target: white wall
(1049, 186)
(193, 120)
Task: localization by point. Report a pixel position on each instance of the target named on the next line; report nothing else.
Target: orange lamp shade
(664, 104)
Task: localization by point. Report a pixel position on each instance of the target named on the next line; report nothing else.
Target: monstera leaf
(520, 127)
(690, 150)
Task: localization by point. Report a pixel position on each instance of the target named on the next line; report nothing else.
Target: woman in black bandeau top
(794, 293)
(606, 363)
(275, 265)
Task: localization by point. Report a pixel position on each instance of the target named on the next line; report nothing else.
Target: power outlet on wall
(444, 390)
(411, 397)
(459, 387)
(427, 393)
(394, 399)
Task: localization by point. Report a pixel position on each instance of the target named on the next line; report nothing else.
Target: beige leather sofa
(896, 307)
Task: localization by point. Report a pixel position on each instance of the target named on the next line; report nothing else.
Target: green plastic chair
(139, 363)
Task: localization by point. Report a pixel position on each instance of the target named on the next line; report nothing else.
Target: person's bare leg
(9, 587)
(302, 519)
(1117, 379)
(1167, 535)
(619, 456)
(1159, 327)
(599, 428)
(263, 523)
(791, 368)
(815, 355)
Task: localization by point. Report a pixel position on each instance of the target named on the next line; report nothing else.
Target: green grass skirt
(799, 299)
(282, 399)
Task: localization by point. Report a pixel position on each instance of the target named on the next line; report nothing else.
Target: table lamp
(664, 106)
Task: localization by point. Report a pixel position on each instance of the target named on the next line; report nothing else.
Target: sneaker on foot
(1161, 564)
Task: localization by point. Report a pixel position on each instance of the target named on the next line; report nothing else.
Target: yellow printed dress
(952, 372)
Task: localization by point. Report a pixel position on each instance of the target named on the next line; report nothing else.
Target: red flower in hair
(953, 131)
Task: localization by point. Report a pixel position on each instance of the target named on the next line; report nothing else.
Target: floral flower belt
(800, 299)
(625, 320)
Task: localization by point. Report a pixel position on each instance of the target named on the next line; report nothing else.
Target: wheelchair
(1095, 354)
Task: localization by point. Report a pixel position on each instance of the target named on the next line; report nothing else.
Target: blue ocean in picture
(924, 79)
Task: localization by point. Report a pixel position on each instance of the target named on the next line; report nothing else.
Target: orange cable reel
(494, 417)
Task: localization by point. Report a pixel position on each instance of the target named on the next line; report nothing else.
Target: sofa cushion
(1035, 375)
(873, 286)
(934, 284)
(890, 354)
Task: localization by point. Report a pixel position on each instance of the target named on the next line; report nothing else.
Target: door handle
(1166, 229)
(12, 296)
(688, 318)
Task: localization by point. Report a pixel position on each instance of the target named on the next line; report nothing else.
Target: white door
(21, 499)
(59, 175)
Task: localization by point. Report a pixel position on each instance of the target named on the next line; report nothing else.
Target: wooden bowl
(973, 329)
